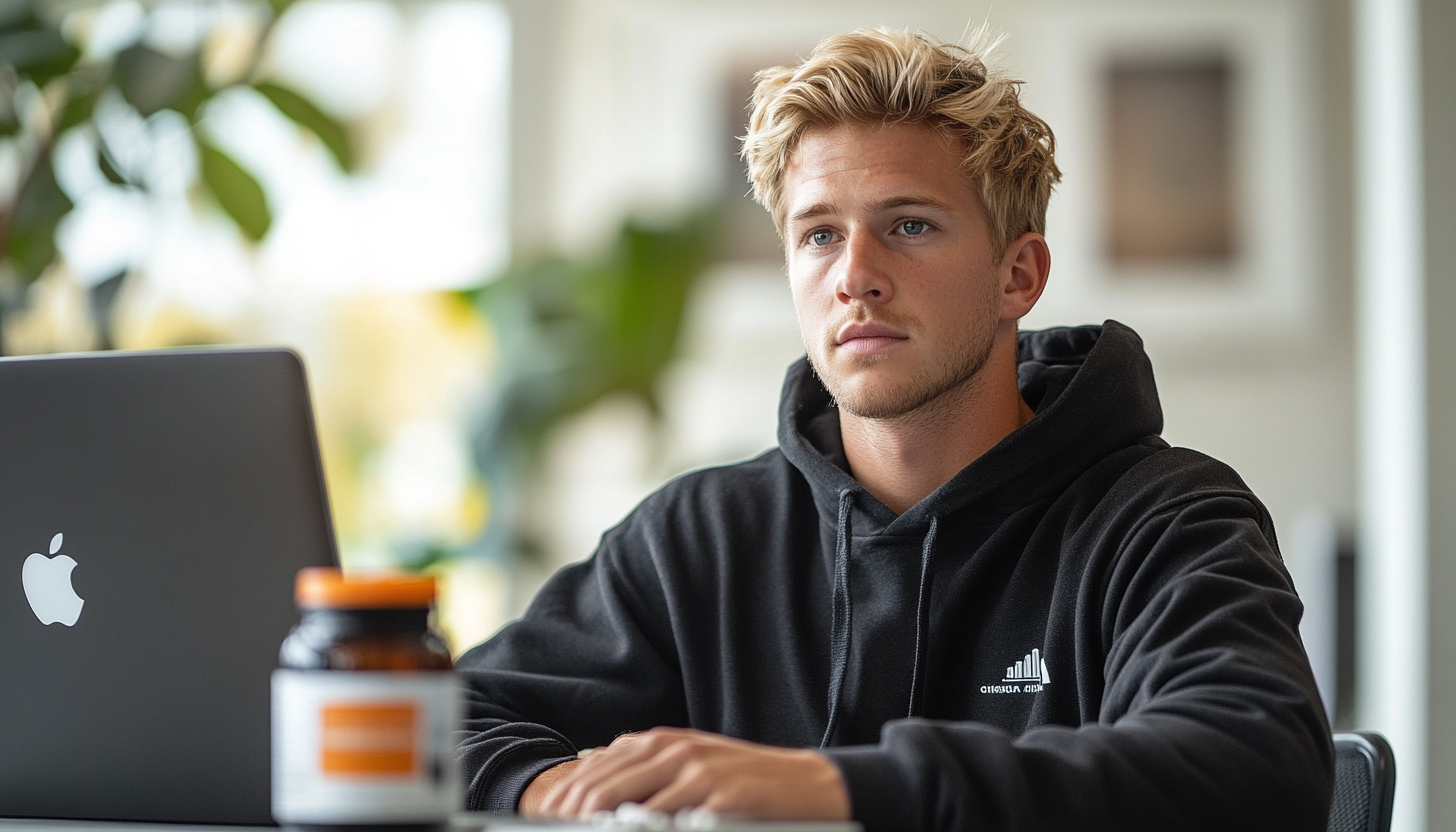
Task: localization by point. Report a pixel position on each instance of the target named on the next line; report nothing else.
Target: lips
(869, 337)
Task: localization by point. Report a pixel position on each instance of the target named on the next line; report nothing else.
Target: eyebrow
(819, 209)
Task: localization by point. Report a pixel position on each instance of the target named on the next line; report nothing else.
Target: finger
(636, 783)
(629, 749)
(551, 804)
(532, 802)
(566, 799)
(625, 751)
(691, 788)
(556, 800)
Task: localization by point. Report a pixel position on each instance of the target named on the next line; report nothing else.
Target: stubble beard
(920, 387)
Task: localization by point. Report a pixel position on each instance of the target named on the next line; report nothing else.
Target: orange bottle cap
(328, 588)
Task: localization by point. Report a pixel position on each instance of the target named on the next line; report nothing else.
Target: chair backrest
(1364, 783)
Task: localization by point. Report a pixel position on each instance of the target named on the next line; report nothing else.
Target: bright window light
(424, 86)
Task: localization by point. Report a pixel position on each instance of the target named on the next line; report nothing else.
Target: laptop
(154, 509)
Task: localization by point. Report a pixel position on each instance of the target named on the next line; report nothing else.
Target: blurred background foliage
(55, 79)
(435, 404)
(571, 333)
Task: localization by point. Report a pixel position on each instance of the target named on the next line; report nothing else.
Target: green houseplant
(570, 333)
(50, 85)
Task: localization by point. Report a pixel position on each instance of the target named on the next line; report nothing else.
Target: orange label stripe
(369, 740)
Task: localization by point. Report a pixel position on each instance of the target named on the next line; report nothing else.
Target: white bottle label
(365, 747)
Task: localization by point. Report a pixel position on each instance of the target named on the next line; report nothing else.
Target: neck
(901, 460)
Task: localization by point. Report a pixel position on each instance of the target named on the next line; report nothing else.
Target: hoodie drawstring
(839, 621)
(840, 617)
(922, 621)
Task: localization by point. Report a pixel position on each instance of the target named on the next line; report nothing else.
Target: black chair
(1364, 783)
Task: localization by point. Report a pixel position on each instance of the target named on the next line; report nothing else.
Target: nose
(864, 273)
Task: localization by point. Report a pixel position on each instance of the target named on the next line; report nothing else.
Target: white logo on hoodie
(1029, 675)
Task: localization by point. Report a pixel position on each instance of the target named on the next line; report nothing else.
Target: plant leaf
(31, 245)
(83, 89)
(656, 270)
(37, 54)
(150, 81)
(103, 161)
(308, 116)
(236, 191)
(9, 119)
(16, 14)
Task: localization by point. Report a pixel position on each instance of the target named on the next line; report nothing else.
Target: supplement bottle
(365, 705)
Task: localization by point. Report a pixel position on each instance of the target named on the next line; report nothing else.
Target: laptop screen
(154, 508)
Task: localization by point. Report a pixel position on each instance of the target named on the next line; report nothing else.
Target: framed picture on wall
(1183, 133)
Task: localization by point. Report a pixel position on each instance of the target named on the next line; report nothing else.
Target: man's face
(891, 264)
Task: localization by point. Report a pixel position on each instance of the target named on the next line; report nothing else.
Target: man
(972, 588)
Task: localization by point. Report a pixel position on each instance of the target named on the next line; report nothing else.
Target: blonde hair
(885, 76)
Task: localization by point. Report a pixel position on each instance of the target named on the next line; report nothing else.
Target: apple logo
(47, 583)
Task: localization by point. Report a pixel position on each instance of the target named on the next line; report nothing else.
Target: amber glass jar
(378, 622)
(365, 702)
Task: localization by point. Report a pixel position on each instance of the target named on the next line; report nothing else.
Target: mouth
(868, 338)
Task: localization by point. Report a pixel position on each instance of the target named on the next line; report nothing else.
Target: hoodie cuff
(500, 788)
(880, 798)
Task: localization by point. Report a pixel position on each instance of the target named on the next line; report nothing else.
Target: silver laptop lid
(179, 492)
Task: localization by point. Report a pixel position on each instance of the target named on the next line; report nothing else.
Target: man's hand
(536, 791)
(667, 769)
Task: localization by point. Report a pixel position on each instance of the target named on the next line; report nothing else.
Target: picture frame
(1264, 283)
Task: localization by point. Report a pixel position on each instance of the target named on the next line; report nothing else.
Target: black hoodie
(1083, 629)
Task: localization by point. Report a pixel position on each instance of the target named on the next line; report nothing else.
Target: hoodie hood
(1091, 388)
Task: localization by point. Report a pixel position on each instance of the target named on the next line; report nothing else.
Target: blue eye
(914, 228)
(821, 237)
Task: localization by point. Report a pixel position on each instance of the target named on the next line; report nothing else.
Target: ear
(1023, 272)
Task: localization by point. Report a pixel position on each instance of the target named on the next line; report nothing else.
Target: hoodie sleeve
(1210, 718)
(591, 651)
